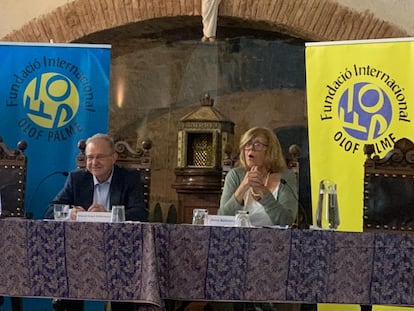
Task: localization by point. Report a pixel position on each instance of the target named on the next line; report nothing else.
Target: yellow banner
(358, 92)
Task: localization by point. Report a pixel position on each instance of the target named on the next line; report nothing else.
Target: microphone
(29, 215)
(301, 208)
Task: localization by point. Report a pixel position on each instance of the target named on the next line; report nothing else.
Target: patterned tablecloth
(150, 262)
(101, 261)
(259, 264)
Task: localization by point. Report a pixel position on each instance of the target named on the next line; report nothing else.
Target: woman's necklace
(258, 196)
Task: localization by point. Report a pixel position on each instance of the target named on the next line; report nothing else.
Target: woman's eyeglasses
(255, 145)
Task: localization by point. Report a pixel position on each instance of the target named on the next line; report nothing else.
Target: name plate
(221, 221)
(93, 216)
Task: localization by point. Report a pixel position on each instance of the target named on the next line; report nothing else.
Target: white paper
(221, 221)
(93, 216)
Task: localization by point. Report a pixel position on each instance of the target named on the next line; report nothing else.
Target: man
(102, 184)
(96, 189)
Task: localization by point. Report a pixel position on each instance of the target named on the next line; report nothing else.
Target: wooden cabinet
(203, 138)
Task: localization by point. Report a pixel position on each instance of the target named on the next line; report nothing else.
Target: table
(233, 264)
(147, 263)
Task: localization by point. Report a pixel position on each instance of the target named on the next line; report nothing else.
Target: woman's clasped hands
(254, 180)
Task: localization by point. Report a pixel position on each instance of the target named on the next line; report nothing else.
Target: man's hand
(96, 208)
(75, 210)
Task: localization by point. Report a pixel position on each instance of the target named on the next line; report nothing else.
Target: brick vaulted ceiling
(315, 20)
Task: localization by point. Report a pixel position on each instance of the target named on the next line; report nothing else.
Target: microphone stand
(301, 209)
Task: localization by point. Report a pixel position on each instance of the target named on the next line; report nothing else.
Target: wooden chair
(228, 162)
(13, 166)
(389, 188)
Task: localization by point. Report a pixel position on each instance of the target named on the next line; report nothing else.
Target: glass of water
(200, 216)
(242, 219)
(118, 213)
(61, 211)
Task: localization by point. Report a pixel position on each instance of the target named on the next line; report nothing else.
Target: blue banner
(52, 96)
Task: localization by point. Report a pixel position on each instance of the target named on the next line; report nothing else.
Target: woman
(262, 184)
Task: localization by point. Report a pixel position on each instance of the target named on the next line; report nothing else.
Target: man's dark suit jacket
(125, 189)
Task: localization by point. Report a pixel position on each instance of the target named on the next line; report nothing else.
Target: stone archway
(312, 20)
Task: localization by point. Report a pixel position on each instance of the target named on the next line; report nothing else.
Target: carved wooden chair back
(228, 162)
(389, 188)
(13, 166)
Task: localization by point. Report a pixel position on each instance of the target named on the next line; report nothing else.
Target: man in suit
(97, 188)
(102, 184)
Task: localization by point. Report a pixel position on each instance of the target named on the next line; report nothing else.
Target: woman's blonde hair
(274, 158)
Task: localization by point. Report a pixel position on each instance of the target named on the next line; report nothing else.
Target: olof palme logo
(365, 114)
(365, 111)
(51, 100)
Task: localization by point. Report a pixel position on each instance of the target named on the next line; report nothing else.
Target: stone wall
(256, 79)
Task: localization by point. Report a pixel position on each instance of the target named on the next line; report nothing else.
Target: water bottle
(327, 213)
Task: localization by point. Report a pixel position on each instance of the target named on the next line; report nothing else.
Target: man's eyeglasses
(255, 145)
(97, 157)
